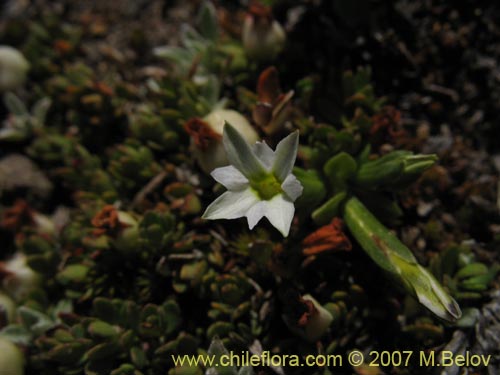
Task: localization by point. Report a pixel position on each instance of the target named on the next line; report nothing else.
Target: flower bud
(129, 236)
(11, 358)
(18, 278)
(273, 108)
(206, 136)
(120, 228)
(314, 322)
(7, 309)
(13, 68)
(263, 37)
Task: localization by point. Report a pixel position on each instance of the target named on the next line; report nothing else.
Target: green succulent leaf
(207, 21)
(36, 321)
(340, 169)
(314, 189)
(328, 210)
(15, 105)
(17, 334)
(217, 349)
(102, 329)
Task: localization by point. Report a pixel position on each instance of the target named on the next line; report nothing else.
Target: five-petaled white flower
(259, 181)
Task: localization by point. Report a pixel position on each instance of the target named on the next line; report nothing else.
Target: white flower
(259, 182)
(13, 68)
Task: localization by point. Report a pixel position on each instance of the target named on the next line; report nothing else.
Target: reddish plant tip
(308, 314)
(201, 133)
(260, 11)
(107, 222)
(4, 272)
(18, 215)
(62, 46)
(388, 121)
(268, 85)
(103, 88)
(327, 238)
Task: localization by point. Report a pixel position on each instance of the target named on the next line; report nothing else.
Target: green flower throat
(267, 187)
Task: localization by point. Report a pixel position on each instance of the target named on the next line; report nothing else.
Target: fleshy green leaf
(40, 110)
(339, 169)
(217, 350)
(207, 21)
(15, 105)
(17, 334)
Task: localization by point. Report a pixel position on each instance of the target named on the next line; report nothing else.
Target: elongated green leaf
(207, 21)
(40, 110)
(15, 105)
(314, 190)
(331, 208)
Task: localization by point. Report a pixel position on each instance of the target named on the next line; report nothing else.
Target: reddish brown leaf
(201, 132)
(260, 11)
(387, 122)
(18, 215)
(268, 86)
(107, 222)
(327, 238)
(308, 314)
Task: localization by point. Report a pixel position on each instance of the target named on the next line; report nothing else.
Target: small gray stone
(19, 172)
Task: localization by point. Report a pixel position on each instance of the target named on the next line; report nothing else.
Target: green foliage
(22, 123)
(120, 295)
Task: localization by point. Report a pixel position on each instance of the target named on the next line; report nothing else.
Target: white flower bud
(128, 238)
(315, 325)
(20, 279)
(7, 308)
(11, 358)
(207, 137)
(263, 39)
(318, 323)
(13, 68)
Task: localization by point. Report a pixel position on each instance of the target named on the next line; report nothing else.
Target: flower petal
(240, 154)
(231, 205)
(255, 213)
(279, 211)
(292, 187)
(230, 177)
(264, 153)
(285, 155)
